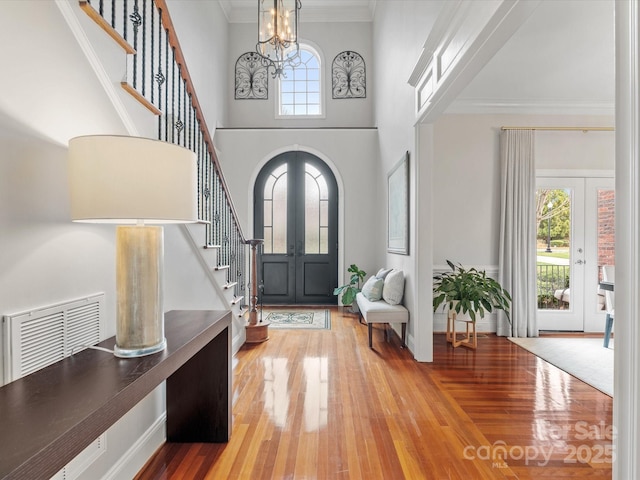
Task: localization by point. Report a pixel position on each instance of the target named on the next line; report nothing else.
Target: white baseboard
(238, 333)
(485, 325)
(140, 452)
(237, 342)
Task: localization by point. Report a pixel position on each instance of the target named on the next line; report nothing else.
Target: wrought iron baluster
(193, 123)
(232, 261)
(226, 238)
(205, 184)
(178, 121)
(219, 220)
(136, 20)
(152, 50)
(201, 185)
(184, 108)
(241, 270)
(144, 48)
(223, 229)
(155, 66)
(173, 96)
(236, 255)
(228, 233)
(166, 90)
(209, 185)
(158, 76)
(125, 24)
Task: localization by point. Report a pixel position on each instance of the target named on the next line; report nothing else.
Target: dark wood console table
(50, 416)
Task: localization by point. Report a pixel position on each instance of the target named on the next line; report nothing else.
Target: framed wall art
(398, 209)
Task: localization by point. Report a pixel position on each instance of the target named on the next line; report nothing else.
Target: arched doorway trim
(340, 185)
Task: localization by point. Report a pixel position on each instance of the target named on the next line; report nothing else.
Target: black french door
(296, 212)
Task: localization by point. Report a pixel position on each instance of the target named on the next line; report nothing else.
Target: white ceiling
(245, 11)
(562, 60)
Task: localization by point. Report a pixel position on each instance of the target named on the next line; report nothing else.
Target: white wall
(466, 186)
(329, 39)
(467, 173)
(44, 257)
(571, 150)
(400, 31)
(202, 31)
(353, 156)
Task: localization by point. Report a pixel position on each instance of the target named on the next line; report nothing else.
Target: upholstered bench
(382, 312)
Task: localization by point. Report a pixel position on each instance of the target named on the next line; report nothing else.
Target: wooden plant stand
(471, 339)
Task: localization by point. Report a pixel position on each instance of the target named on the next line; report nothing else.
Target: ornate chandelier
(278, 33)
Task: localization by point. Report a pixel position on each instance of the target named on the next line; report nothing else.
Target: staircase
(158, 78)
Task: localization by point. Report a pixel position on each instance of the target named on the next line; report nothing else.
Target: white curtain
(517, 262)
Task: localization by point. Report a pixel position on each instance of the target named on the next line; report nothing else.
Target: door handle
(292, 251)
(580, 262)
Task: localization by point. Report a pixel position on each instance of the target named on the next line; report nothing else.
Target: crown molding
(540, 106)
(313, 11)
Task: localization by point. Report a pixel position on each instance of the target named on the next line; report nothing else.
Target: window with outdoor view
(300, 87)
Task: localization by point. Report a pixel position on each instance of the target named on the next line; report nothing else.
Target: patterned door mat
(298, 319)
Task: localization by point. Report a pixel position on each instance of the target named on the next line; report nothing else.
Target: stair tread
(230, 285)
(221, 267)
(235, 300)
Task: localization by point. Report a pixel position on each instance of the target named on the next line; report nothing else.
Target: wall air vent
(40, 337)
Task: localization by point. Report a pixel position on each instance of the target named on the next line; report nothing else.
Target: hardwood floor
(321, 404)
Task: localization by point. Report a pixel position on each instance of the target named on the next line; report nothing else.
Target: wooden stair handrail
(161, 5)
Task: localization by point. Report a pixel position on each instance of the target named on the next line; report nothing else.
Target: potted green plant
(350, 290)
(469, 291)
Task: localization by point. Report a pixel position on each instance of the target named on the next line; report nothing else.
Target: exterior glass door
(575, 238)
(296, 212)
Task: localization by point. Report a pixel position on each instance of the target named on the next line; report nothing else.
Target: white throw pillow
(393, 289)
(372, 289)
(383, 272)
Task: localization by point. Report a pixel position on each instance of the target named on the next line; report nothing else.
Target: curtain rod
(577, 129)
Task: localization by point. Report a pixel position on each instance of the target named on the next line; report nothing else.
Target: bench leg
(370, 325)
(404, 335)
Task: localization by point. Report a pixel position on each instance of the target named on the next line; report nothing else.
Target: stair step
(236, 300)
(221, 267)
(138, 96)
(211, 246)
(102, 23)
(242, 312)
(229, 285)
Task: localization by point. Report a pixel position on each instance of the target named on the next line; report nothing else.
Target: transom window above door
(300, 89)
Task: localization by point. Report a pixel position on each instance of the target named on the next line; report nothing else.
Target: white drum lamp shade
(133, 181)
